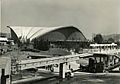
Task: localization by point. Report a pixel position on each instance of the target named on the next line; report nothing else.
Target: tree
(111, 40)
(41, 44)
(98, 38)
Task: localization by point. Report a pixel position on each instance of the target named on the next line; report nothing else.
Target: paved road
(85, 79)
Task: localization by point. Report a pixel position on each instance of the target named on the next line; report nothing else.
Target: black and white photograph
(59, 41)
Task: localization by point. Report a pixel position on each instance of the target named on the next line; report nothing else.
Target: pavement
(33, 79)
(42, 74)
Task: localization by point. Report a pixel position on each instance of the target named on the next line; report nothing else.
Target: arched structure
(68, 33)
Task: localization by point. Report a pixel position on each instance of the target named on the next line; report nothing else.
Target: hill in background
(116, 37)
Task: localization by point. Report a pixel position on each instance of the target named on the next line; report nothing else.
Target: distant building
(3, 40)
(3, 34)
(6, 45)
(7, 35)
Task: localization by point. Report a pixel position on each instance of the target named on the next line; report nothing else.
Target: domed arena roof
(58, 33)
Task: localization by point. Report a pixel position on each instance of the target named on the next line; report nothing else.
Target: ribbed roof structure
(36, 32)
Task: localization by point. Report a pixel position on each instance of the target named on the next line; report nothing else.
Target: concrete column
(103, 60)
(114, 60)
(62, 70)
(108, 60)
(95, 59)
(100, 59)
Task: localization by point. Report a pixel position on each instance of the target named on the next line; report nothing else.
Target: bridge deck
(32, 63)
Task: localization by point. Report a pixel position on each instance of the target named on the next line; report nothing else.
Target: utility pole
(0, 16)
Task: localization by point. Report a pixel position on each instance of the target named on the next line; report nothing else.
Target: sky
(90, 16)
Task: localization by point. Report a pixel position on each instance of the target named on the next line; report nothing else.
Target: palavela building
(52, 34)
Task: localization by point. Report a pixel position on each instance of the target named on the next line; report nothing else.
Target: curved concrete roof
(35, 32)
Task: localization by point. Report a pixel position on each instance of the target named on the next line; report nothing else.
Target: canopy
(24, 33)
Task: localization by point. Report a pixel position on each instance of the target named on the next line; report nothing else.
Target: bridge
(33, 63)
(110, 59)
(62, 60)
